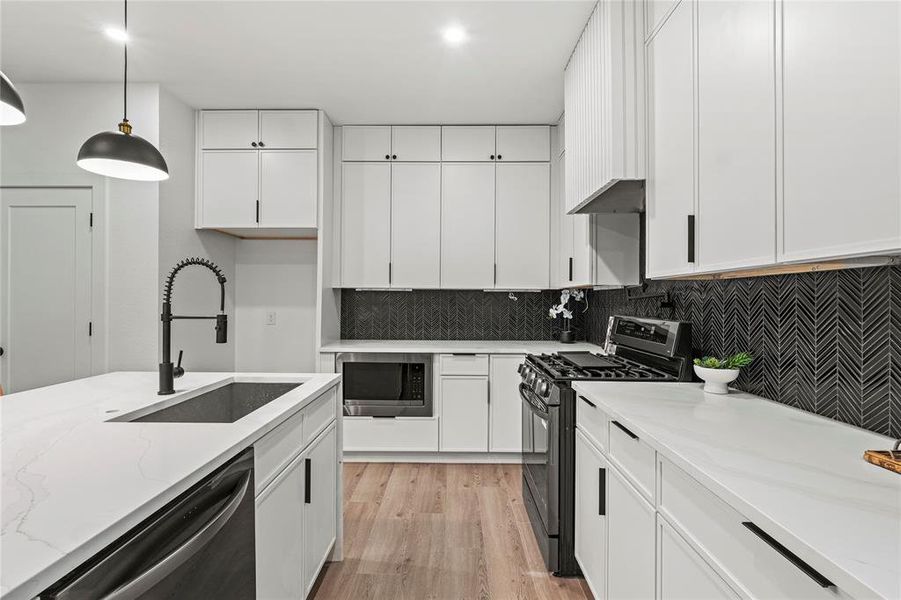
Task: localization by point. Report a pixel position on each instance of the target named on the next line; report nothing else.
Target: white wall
(196, 291)
(42, 151)
(280, 277)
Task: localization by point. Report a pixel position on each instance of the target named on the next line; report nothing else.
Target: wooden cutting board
(887, 459)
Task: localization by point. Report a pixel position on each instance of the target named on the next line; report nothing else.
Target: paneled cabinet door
(736, 134)
(288, 184)
(229, 129)
(289, 128)
(415, 225)
(522, 212)
(683, 574)
(229, 188)
(630, 537)
(467, 143)
(417, 143)
(366, 142)
(319, 504)
(464, 414)
(523, 143)
(591, 515)
(505, 405)
(841, 126)
(280, 536)
(366, 225)
(671, 185)
(467, 226)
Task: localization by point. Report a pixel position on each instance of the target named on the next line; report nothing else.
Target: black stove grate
(617, 368)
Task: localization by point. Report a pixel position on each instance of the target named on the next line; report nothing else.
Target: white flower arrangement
(563, 307)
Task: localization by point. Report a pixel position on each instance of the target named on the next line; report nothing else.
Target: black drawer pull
(307, 475)
(691, 238)
(788, 555)
(626, 431)
(463, 353)
(588, 402)
(602, 491)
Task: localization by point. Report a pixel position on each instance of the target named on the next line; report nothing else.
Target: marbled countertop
(73, 482)
(449, 346)
(799, 476)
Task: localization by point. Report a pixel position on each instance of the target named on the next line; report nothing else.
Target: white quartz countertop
(799, 476)
(73, 482)
(450, 346)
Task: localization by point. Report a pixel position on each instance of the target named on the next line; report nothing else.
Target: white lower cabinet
(591, 515)
(505, 405)
(631, 561)
(319, 508)
(683, 574)
(279, 535)
(464, 414)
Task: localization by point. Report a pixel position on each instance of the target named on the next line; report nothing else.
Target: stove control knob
(542, 388)
(522, 367)
(531, 376)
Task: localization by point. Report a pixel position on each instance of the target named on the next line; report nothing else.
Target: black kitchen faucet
(168, 371)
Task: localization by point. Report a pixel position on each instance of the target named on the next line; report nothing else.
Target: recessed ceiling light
(114, 33)
(455, 35)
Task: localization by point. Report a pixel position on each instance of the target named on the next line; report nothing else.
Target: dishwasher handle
(149, 578)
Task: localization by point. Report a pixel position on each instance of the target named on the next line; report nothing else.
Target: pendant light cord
(125, 78)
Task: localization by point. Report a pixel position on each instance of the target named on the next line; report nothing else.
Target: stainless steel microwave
(386, 385)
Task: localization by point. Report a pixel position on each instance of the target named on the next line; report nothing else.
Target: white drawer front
(319, 414)
(592, 421)
(637, 459)
(464, 364)
(717, 528)
(370, 434)
(276, 449)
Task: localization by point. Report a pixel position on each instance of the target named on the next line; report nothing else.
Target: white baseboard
(435, 457)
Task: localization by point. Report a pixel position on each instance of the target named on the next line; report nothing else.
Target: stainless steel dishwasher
(200, 545)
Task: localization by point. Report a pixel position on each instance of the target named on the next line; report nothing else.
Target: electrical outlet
(270, 317)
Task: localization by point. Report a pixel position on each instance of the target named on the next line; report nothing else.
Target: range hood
(617, 196)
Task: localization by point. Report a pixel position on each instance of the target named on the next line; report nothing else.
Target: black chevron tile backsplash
(827, 342)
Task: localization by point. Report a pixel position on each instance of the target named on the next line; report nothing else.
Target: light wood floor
(437, 531)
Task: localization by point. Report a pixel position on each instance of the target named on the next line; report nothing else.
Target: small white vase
(716, 381)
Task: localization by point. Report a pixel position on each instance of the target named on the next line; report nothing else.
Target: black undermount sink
(225, 404)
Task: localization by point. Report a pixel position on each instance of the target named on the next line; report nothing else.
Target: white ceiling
(363, 62)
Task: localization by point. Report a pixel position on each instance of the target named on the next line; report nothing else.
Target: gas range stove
(589, 366)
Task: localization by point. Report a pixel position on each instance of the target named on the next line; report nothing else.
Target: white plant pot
(716, 381)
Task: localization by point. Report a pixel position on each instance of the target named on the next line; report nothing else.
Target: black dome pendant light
(12, 111)
(122, 154)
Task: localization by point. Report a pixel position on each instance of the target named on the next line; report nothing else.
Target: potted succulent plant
(718, 373)
(567, 336)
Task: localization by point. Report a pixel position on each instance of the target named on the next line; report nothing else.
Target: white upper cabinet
(523, 143)
(417, 143)
(467, 226)
(671, 165)
(366, 142)
(736, 216)
(288, 128)
(468, 143)
(288, 188)
(604, 102)
(415, 225)
(842, 123)
(229, 129)
(366, 225)
(230, 188)
(522, 235)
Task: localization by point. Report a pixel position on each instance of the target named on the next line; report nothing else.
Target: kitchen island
(74, 480)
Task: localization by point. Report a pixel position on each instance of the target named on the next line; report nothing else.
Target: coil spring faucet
(168, 371)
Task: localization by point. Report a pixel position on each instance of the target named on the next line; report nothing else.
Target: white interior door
(46, 286)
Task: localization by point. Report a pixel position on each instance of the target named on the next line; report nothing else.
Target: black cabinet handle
(626, 431)
(570, 268)
(602, 491)
(463, 353)
(307, 474)
(691, 238)
(588, 402)
(788, 555)
(258, 211)
(387, 157)
(492, 157)
(254, 144)
(262, 144)
(499, 157)
(394, 157)
(2, 351)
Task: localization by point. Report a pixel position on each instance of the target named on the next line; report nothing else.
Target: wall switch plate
(270, 317)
